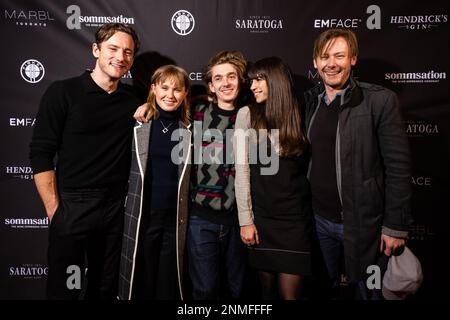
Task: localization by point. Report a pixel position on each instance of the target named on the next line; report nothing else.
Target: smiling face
(169, 94)
(260, 89)
(334, 64)
(114, 56)
(225, 84)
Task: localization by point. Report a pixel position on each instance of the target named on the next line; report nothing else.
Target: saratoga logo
(75, 19)
(259, 24)
(421, 128)
(419, 22)
(28, 271)
(29, 18)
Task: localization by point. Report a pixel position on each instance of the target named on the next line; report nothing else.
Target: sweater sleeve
(242, 180)
(47, 133)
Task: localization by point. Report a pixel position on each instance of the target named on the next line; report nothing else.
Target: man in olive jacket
(360, 164)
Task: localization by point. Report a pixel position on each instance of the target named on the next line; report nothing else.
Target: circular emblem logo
(183, 22)
(32, 71)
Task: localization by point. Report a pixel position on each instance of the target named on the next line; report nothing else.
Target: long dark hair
(280, 110)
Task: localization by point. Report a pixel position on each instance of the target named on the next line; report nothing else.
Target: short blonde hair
(180, 75)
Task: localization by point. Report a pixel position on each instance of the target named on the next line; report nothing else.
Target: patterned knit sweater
(213, 175)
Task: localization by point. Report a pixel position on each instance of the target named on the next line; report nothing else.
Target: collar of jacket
(181, 124)
(353, 96)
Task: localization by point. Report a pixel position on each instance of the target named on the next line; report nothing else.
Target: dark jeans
(156, 261)
(212, 247)
(331, 240)
(87, 227)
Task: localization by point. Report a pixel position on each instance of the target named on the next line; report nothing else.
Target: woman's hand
(249, 235)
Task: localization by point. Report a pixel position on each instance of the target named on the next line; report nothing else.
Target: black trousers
(156, 264)
(86, 232)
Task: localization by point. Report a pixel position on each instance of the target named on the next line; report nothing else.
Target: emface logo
(195, 76)
(349, 23)
(75, 19)
(419, 22)
(182, 22)
(416, 77)
(26, 223)
(29, 18)
(28, 271)
(421, 181)
(22, 122)
(373, 21)
(259, 24)
(32, 71)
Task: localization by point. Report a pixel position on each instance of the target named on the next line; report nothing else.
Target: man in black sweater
(87, 122)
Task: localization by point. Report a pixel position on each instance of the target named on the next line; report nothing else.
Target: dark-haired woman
(273, 196)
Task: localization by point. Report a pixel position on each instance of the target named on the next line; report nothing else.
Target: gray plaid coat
(133, 206)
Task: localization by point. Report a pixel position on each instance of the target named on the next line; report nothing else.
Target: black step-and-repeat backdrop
(404, 46)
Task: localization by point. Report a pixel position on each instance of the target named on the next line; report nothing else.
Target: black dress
(283, 217)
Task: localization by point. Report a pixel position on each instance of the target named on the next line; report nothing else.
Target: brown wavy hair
(331, 34)
(235, 58)
(107, 30)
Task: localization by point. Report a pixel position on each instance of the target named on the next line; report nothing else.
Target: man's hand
(390, 244)
(51, 211)
(249, 235)
(141, 113)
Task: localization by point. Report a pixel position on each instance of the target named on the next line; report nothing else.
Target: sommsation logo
(259, 24)
(183, 22)
(28, 18)
(416, 77)
(26, 223)
(75, 19)
(32, 71)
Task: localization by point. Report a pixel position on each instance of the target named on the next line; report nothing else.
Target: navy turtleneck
(162, 174)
